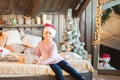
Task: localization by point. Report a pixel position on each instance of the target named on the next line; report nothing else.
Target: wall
(87, 29)
(88, 24)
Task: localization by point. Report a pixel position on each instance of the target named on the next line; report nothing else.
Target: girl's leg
(65, 66)
(58, 72)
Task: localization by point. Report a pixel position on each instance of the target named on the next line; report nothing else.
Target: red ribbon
(49, 25)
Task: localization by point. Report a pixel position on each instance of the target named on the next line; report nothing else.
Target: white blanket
(35, 69)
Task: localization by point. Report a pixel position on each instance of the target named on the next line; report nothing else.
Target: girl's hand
(36, 62)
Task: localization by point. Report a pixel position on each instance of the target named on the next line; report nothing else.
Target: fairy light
(98, 20)
(98, 24)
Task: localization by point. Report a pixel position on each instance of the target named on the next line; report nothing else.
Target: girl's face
(48, 35)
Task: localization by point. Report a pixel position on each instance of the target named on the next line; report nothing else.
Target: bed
(16, 70)
(20, 70)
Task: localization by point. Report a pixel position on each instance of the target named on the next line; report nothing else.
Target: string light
(104, 1)
(98, 21)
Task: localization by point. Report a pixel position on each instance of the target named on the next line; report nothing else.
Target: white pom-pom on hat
(50, 28)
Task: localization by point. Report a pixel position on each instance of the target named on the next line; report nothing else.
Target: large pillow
(16, 48)
(30, 40)
(2, 40)
(13, 37)
(29, 50)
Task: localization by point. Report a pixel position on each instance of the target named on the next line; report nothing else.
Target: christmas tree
(71, 42)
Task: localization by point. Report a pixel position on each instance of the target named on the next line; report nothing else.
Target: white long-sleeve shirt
(48, 53)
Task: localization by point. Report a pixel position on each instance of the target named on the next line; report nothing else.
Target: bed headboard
(33, 29)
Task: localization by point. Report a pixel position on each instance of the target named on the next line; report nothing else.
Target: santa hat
(106, 57)
(50, 28)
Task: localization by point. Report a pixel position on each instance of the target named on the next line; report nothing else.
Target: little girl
(48, 54)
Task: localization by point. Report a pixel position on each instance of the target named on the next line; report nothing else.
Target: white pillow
(30, 40)
(13, 37)
(4, 52)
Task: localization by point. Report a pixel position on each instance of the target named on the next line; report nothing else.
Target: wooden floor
(104, 77)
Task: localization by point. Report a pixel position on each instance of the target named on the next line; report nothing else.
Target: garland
(117, 9)
(106, 13)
